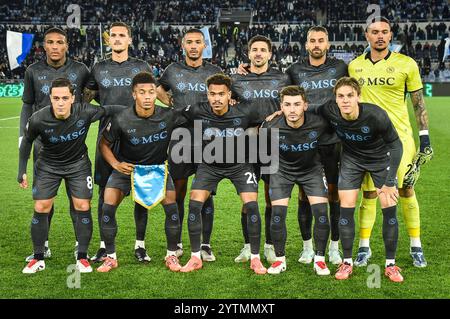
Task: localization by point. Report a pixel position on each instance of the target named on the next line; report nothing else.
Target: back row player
(186, 81)
(36, 93)
(111, 79)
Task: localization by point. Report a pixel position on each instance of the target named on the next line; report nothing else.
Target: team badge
(365, 129)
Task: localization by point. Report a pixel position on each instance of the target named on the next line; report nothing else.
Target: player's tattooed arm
(89, 95)
(163, 96)
(420, 111)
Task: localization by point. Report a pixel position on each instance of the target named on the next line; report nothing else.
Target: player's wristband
(424, 140)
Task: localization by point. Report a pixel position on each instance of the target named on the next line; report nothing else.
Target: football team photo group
(260, 170)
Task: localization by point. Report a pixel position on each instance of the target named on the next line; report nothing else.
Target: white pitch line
(9, 118)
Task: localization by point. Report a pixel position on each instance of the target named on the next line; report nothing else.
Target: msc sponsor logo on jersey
(321, 84)
(260, 94)
(228, 132)
(115, 82)
(376, 81)
(68, 137)
(149, 139)
(353, 136)
(188, 86)
(298, 147)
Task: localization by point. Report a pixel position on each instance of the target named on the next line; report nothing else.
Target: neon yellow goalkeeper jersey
(386, 82)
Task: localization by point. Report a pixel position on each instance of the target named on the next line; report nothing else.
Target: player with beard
(259, 88)
(185, 81)
(111, 79)
(36, 93)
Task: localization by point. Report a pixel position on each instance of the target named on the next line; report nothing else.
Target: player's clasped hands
(24, 182)
(390, 194)
(124, 168)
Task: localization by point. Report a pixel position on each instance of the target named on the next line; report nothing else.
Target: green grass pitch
(223, 278)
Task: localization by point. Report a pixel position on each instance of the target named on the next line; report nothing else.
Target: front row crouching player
(370, 144)
(143, 132)
(299, 163)
(223, 126)
(62, 128)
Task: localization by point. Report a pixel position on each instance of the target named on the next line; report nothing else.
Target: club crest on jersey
(275, 82)
(312, 135)
(365, 129)
(237, 122)
(80, 123)
(332, 71)
(162, 125)
(45, 89)
(72, 77)
(390, 69)
(135, 70)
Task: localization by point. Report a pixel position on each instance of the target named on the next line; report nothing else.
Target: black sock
(84, 231)
(334, 220)
(253, 226)
(267, 219)
(390, 231)
(39, 232)
(180, 205)
(278, 229)
(244, 226)
(73, 217)
(305, 219)
(50, 217)
(172, 226)
(101, 200)
(195, 224)
(109, 227)
(140, 220)
(347, 230)
(321, 227)
(207, 220)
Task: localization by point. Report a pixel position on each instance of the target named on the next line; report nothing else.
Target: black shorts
(77, 176)
(329, 157)
(352, 172)
(123, 182)
(181, 170)
(242, 176)
(259, 176)
(313, 183)
(102, 170)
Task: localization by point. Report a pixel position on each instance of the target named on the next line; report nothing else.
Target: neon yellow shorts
(409, 151)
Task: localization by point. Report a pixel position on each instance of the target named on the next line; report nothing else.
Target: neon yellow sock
(411, 215)
(367, 215)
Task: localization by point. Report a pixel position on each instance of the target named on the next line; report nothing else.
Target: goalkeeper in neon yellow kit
(385, 78)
